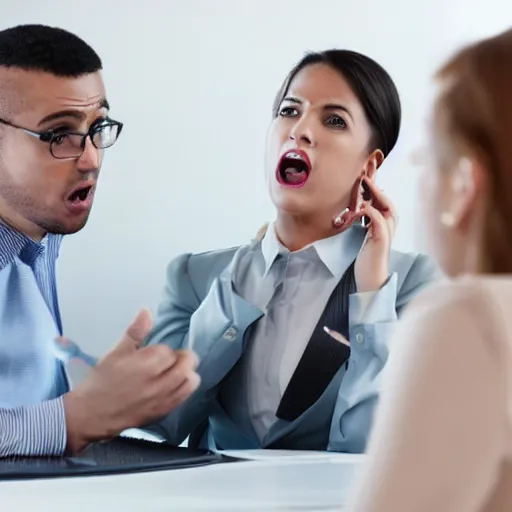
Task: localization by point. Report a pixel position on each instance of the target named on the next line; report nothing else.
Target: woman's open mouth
(293, 169)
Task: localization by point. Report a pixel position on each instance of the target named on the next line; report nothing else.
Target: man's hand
(129, 387)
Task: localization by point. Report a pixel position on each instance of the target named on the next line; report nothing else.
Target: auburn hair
(476, 113)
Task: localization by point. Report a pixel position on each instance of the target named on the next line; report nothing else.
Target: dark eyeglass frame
(50, 136)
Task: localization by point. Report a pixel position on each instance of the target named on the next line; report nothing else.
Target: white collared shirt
(292, 289)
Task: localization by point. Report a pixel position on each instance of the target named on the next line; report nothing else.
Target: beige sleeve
(438, 438)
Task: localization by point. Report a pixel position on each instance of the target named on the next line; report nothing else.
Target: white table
(305, 481)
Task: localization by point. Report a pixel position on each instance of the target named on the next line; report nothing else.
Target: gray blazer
(201, 310)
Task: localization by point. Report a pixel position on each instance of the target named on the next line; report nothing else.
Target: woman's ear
(373, 162)
(464, 185)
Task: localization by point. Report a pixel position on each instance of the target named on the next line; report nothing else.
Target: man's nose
(90, 160)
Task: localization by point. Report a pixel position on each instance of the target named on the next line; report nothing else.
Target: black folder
(118, 456)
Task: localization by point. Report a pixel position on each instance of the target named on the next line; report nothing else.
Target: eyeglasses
(63, 145)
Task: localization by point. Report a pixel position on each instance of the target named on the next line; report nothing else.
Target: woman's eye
(336, 121)
(288, 112)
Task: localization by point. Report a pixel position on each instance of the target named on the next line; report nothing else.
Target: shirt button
(230, 334)
(359, 338)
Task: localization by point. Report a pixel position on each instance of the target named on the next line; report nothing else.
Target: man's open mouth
(80, 194)
(293, 169)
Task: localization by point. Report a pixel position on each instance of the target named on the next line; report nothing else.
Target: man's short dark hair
(47, 49)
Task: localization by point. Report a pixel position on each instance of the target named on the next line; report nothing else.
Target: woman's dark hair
(372, 85)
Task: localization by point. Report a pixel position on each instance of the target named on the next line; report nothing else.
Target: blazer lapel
(310, 431)
(241, 312)
(237, 316)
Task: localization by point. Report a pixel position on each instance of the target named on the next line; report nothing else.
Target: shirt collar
(330, 251)
(271, 247)
(14, 244)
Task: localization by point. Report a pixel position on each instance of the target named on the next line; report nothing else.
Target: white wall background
(193, 82)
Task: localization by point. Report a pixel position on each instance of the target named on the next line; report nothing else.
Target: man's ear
(373, 162)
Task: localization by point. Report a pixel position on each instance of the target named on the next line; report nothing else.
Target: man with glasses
(54, 126)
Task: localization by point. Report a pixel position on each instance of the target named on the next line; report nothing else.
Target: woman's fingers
(378, 226)
(379, 200)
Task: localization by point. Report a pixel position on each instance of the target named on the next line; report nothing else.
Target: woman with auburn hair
(442, 438)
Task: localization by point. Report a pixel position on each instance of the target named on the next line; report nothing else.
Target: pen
(336, 335)
(69, 350)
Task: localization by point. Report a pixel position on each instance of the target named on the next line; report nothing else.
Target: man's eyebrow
(76, 114)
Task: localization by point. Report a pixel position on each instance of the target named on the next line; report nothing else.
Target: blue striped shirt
(32, 377)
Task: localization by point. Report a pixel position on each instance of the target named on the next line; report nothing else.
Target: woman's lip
(291, 154)
(299, 152)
